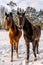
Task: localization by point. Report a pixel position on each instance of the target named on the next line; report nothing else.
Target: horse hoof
(17, 55)
(35, 59)
(11, 60)
(27, 61)
(37, 52)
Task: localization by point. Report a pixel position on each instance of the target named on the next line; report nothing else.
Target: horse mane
(14, 26)
(28, 27)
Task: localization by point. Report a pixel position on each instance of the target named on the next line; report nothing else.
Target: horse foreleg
(17, 49)
(27, 52)
(37, 48)
(14, 46)
(11, 53)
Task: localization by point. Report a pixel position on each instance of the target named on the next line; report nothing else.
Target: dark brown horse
(31, 33)
(14, 33)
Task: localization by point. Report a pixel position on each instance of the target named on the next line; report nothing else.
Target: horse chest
(11, 33)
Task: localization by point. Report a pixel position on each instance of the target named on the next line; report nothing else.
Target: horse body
(14, 34)
(31, 34)
(31, 31)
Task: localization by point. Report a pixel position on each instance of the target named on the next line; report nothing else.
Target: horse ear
(5, 14)
(24, 14)
(17, 13)
(11, 14)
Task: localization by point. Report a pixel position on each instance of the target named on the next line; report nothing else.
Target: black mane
(14, 27)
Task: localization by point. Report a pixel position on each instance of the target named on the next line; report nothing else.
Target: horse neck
(27, 21)
(28, 27)
(14, 27)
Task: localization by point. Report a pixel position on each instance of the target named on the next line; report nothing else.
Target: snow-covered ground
(5, 51)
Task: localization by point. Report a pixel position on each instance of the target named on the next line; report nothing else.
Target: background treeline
(35, 17)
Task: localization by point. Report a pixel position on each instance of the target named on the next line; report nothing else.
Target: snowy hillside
(5, 51)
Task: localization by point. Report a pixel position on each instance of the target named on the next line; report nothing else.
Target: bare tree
(12, 4)
(2, 15)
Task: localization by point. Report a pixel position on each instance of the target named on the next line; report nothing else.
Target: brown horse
(31, 33)
(14, 33)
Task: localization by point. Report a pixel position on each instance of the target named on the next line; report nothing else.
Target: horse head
(8, 20)
(21, 18)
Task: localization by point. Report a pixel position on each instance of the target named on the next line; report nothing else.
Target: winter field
(5, 51)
